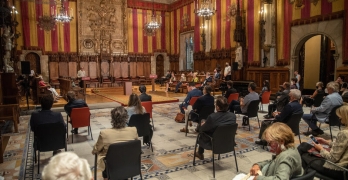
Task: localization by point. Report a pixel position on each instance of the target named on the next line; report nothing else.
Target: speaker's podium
(127, 88)
(153, 77)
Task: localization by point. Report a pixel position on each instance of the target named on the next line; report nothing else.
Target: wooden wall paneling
(124, 66)
(140, 69)
(257, 79)
(105, 68)
(276, 76)
(132, 65)
(147, 66)
(63, 69)
(93, 70)
(274, 82)
(117, 69)
(73, 69)
(53, 68)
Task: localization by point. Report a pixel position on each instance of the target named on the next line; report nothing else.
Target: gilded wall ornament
(46, 23)
(88, 43)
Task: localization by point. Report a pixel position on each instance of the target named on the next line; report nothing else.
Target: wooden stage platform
(115, 92)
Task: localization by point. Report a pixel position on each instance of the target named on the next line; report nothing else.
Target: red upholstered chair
(79, 117)
(148, 107)
(233, 96)
(192, 101)
(265, 98)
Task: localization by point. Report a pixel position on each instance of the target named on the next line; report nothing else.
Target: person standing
(298, 77)
(227, 72)
(73, 103)
(80, 74)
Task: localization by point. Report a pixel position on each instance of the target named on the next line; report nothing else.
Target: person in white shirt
(80, 74)
(227, 72)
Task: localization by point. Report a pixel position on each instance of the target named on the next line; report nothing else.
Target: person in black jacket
(230, 89)
(73, 103)
(293, 107)
(281, 101)
(143, 96)
(220, 118)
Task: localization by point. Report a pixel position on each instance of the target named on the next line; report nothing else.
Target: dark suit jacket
(145, 97)
(217, 76)
(230, 91)
(209, 79)
(194, 92)
(291, 108)
(45, 117)
(205, 100)
(213, 121)
(77, 103)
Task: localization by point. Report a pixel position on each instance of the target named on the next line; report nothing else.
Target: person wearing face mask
(286, 163)
(227, 72)
(318, 93)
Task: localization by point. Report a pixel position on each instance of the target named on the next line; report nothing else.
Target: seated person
(73, 103)
(342, 84)
(293, 83)
(280, 102)
(230, 89)
(143, 96)
(217, 74)
(336, 153)
(67, 166)
(165, 78)
(205, 100)
(208, 78)
(265, 88)
(293, 107)
(182, 79)
(309, 99)
(195, 78)
(322, 112)
(54, 92)
(118, 133)
(241, 106)
(345, 97)
(171, 80)
(220, 118)
(286, 163)
(192, 91)
(45, 116)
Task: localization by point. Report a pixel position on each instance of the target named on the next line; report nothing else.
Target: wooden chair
(233, 96)
(10, 112)
(79, 117)
(265, 98)
(106, 80)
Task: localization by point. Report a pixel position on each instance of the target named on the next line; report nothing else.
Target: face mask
(273, 147)
(317, 87)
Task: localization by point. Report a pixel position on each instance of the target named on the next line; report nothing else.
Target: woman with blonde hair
(336, 153)
(134, 106)
(194, 77)
(286, 163)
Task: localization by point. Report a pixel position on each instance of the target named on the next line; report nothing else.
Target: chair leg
(299, 138)
(330, 133)
(67, 127)
(90, 130)
(95, 166)
(38, 162)
(213, 163)
(194, 157)
(258, 121)
(151, 146)
(186, 127)
(235, 158)
(219, 157)
(153, 125)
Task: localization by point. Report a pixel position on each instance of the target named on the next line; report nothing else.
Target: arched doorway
(316, 61)
(160, 65)
(34, 60)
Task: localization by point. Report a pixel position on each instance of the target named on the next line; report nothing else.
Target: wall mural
(102, 26)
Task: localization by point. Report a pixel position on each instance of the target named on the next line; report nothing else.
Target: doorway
(34, 60)
(160, 65)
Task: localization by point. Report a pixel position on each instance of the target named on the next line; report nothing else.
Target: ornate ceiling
(162, 1)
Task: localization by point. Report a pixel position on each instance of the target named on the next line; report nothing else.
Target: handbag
(180, 118)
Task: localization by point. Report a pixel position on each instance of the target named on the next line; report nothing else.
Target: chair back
(141, 122)
(205, 112)
(333, 118)
(265, 97)
(193, 100)
(148, 107)
(294, 123)
(253, 108)
(233, 96)
(80, 117)
(223, 138)
(50, 137)
(318, 99)
(308, 176)
(123, 160)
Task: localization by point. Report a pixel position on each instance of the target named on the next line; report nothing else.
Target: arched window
(189, 53)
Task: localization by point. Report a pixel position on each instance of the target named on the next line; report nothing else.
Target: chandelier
(62, 14)
(153, 23)
(205, 9)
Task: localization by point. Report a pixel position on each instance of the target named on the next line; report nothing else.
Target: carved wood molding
(174, 58)
(282, 62)
(33, 48)
(84, 58)
(53, 57)
(160, 50)
(63, 57)
(73, 57)
(199, 55)
(327, 17)
(116, 58)
(93, 58)
(254, 63)
(192, 28)
(132, 57)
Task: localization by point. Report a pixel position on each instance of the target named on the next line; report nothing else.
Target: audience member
(182, 79)
(208, 78)
(143, 96)
(321, 113)
(45, 116)
(342, 84)
(265, 87)
(192, 91)
(54, 92)
(220, 118)
(293, 107)
(80, 74)
(205, 100)
(298, 77)
(118, 133)
(336, 153)
(230, 89)
(281, 101)
(165, 78)
(195, 78)
(345, 97)
(227, 72)
(171, 80)
(67, 166)
(309, 99)
(73, 103)
(293, 83)
(286, 163)
(216, 74)
(241, 106)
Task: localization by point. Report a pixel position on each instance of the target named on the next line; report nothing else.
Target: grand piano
(240, 86)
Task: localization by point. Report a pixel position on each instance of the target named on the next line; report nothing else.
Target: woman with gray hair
(118, 133)
(67, 166)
